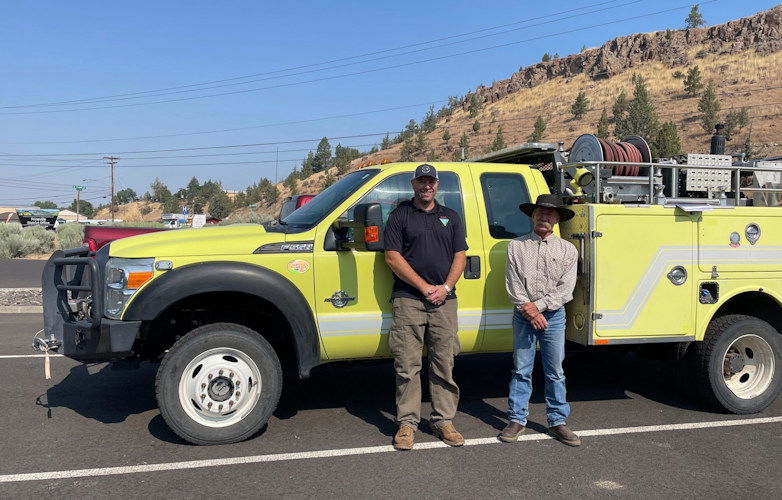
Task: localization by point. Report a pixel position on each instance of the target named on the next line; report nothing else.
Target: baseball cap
(425, 170)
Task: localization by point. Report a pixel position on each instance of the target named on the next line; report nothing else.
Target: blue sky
(107, 65)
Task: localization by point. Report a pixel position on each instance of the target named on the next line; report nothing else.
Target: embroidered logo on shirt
(444, 220)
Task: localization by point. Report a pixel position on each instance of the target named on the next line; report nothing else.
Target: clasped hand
(533, 315)
(435, 294)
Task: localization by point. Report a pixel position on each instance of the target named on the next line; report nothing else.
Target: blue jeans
(552, 351)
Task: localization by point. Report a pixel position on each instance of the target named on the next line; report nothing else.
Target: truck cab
(223, 309)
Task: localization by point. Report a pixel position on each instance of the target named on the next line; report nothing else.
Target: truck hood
(238, 239)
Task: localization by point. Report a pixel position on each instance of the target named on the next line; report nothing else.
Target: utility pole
(78, 192)
(276, 160)
(111, 160)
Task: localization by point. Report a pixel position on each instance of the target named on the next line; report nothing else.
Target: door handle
(339, 299)
(472, 270)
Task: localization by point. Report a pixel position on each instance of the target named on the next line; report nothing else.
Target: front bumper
(110, 341)
(76, 275)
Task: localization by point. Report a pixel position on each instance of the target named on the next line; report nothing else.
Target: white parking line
(282, 457)
(14, 356)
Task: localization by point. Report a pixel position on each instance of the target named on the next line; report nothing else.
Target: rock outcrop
(763, 32)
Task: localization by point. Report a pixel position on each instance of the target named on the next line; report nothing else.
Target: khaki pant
(416, 322)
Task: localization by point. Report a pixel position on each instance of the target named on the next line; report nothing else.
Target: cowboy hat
(548, 201)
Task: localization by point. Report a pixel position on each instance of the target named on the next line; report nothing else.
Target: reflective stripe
(618, 319)
(338, 325)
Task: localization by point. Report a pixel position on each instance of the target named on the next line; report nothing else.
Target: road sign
(79, 188)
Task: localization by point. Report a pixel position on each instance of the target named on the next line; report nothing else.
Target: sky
(241, 90)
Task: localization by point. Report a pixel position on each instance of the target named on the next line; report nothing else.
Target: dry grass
(740, 80)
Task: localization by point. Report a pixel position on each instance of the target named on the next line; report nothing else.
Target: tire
(738, 366)
(200, 384)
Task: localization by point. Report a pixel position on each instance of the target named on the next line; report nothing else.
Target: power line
(235, 129)
(295, 68)
(363, 72)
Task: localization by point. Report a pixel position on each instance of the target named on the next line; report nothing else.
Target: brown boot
(448, 434)
(403, 440)
(563, 434)
(511, 432)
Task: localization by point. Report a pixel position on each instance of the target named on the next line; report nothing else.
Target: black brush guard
(92, 337)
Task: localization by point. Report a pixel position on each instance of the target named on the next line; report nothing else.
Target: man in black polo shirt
(424, 247)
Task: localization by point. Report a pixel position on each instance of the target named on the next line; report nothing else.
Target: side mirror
(367, 228)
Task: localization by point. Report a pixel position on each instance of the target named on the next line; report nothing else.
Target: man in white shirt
(540, 276)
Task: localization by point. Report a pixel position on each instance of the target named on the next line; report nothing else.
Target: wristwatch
(447, 288)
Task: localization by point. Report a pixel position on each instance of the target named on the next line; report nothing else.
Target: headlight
(123, 278)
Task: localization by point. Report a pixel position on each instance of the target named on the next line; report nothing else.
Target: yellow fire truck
(669, 253)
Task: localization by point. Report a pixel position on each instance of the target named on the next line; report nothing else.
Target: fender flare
(261, 282)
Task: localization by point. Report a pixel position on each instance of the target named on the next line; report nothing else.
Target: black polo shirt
(427, 241)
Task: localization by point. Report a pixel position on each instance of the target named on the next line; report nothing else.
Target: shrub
(250, 218)
(16, 241)
(70, 235)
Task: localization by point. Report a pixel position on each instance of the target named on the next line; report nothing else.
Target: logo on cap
(425, 170)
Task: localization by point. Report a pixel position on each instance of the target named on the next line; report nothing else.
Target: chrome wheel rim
(748, 366)
(220, 387)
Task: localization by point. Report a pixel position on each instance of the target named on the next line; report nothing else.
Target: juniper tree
(735, 120)
(709, 107)
(446, 136)
(499, 140)
(580, 106)
(692, 82)
(602, 126)
(464, 144)
(538, 130)
(667, 143)
(694, 19)
(641, 118)
(475, 105)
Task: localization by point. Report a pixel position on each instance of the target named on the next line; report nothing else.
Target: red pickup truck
(97, 236)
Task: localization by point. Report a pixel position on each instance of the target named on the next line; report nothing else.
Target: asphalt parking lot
(94, 432)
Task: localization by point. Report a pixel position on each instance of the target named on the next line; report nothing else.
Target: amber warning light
(371, 234)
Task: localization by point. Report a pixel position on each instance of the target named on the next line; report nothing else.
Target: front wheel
(218, 384)
(738, 364)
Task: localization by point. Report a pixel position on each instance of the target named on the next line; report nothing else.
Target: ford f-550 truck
(223, 308)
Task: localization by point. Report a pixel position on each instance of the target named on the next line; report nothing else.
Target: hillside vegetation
(741, 59)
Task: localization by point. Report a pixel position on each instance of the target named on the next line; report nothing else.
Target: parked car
(291, 203)
(97, 236)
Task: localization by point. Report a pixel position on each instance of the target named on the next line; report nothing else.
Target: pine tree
(408, 150)
(475, 105)
(499, 140)
(430, 120)
(694, 19)
(602, 126)
(641, 114)
(328, 180)
(476, 126)
(618, 112)
(667, 143)
(546, 57)
(386, 142)
(322, 159)
(735, 121)
(219, 205)
(747, 149)
(692, 82)
(538, 130)
(580, 106)
(446, 136)
(464, 144)
(709, 106)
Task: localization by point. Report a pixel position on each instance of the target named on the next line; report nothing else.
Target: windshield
(325, 202)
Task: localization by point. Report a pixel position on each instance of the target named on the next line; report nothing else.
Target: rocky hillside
(742, 58)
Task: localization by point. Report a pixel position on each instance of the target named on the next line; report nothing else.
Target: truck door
(499, 196)
(644, 273)
(356, 325)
